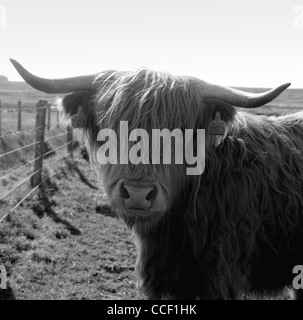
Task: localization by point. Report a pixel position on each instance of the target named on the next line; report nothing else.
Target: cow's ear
(76, 108)
(218, 117)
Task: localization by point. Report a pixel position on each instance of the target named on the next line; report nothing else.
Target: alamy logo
(298, 19)
(3, 277)
(297, 282)
(3, 17)
(141, 144)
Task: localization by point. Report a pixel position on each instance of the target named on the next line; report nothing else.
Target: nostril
(151, 195)
(123, 192)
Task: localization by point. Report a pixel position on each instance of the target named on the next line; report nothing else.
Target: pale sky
(255, 43)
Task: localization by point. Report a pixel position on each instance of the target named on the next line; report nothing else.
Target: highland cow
(238, 227)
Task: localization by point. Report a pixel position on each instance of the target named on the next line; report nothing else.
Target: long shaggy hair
(236, 228)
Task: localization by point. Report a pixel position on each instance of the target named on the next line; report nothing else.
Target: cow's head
(146, 100)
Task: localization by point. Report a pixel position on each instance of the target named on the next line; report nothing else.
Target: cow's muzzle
(138, 195)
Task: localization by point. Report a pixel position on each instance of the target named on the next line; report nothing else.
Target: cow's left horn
(239, 98)
(66, 85)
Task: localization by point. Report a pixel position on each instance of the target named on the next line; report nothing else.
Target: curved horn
(66, 85)
(239, 98)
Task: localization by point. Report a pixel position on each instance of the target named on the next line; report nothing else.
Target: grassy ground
(9, 121)
(68, 244)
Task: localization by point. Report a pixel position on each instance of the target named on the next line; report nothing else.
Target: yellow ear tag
(217, 126)
(78, 119)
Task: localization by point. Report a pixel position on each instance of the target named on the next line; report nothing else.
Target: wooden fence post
(70, 141)
(40, 127)
(0, 116)
(19, 115)
(48, 116)
(57, 118)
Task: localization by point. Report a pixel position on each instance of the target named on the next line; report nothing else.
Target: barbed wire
(31, 144)
(21, 148)
(19, 185)
(65, 156)
(31, 162)
(58, 148)
(81, 146)
(15, 133)
(50, 164)
(27, 109)
(33, 189)
(22, 200)
(33, 109)
(58, 135)
(19, 168)
(29, 177)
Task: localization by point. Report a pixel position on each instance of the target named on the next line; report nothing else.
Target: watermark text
(3, 277)
(135, 147)
(298, 18)
(3, 17)
(297, 282)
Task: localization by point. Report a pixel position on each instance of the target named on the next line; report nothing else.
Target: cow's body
(238, 227)
(246, 232)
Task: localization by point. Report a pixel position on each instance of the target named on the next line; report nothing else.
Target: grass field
(9, 123)
(12, 92)
(68, 244)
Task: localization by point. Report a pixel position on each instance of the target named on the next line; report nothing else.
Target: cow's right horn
(66, 85)
(239, 98)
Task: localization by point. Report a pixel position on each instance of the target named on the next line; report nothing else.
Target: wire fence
(16, 133)
(34, 173)
(20, 111)
(32, 190)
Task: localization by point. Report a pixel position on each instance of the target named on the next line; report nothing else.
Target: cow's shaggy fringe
(236, 228)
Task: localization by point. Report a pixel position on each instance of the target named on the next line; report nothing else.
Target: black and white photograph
(151, 150)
